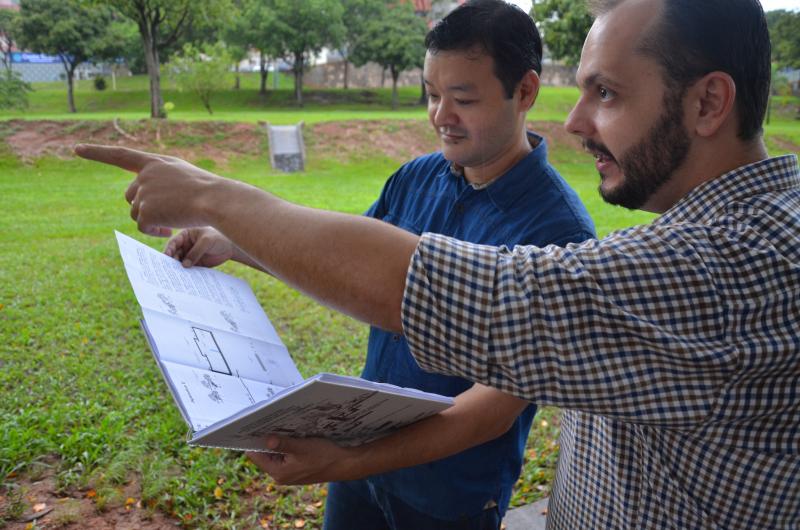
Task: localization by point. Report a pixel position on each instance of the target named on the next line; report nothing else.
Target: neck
(706, 161)
(492, 169)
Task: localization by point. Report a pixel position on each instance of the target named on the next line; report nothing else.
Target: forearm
(350, 263)
(480, 414)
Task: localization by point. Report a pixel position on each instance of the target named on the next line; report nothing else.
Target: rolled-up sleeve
(631, 326)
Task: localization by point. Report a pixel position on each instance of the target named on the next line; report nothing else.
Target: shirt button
(460, 208)
(395, 338)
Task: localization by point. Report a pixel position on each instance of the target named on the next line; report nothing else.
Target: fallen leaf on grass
(264, 523)
(299, 523)
(91, 494)
(38, 507)
(218, 492)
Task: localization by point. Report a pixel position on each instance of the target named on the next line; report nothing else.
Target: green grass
(81, 393)
(131, 101)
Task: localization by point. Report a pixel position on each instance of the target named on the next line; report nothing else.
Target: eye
(604, 93)
(433, 97)
(465, 102)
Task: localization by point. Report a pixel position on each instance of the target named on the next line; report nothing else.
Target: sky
(768, 5)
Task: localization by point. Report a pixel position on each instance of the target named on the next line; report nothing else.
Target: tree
(9, 24)
(396, 41)
(564, 25)
(784, 31)
(357, 14)
(161, 23)
(304, 28)
(202, 70)
(259, 26)
(64, 28)
(13, 90)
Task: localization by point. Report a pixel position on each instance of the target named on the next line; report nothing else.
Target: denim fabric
(357, 505)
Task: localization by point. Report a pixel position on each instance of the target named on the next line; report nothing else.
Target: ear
(528, 88)
(713, 98)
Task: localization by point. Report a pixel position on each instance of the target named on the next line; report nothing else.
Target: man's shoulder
(429, 164)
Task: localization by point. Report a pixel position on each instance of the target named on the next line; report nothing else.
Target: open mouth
(602, 157)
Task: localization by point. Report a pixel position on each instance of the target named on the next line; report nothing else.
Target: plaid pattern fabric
(674, 348)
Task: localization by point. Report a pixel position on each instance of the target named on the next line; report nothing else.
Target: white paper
(199, 294)
(232, 377)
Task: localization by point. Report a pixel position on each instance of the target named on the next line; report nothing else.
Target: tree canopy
(304, 28)
(564, 25)
(66, 28)
(396, 41)
(784, 31)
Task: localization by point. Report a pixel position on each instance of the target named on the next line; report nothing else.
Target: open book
(232, 377)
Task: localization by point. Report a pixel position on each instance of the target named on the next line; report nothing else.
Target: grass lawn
(84, 405)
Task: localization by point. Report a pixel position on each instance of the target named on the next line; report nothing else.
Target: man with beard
(671, 346)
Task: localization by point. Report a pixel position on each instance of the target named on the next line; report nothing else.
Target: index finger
(123, 157)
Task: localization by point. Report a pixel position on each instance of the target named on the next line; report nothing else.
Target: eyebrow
(597, 79)
(463, 87)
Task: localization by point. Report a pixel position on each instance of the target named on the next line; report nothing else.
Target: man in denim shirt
(491, 183)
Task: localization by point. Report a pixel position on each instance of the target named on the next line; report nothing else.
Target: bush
(13, 91)
(100, 83)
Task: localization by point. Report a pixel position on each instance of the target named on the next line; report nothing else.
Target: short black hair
(696, 37)
(502, 30)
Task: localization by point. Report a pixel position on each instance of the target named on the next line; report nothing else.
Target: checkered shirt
(673, 347)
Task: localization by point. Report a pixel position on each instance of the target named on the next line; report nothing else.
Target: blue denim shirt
(529, 204)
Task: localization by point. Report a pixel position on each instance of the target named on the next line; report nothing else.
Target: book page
(208, 348)
(209, 397)
(199, 294)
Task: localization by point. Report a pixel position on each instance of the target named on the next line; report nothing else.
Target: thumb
(281, 444)
(197, 251)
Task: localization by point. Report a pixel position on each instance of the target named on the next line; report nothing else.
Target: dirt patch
(189, 140)
(43, 507)
(398, 140)
(222, 141)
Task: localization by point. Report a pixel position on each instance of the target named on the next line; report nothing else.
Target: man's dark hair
(696, 37)
(503, 31)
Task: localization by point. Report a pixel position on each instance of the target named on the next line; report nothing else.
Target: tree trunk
(70, 88)
(154, 72)
(395, 75)
(237, 84)
(264, 73)
(423, 94)
(69, 69)
(346, 69)
(298, 77)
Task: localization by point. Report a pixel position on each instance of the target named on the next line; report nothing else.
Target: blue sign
(38, 58)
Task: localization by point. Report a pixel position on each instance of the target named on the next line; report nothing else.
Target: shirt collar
(511, 185)
(706, 201)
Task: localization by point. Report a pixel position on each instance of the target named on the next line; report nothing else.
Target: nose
(578, 122)
(441, 113)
